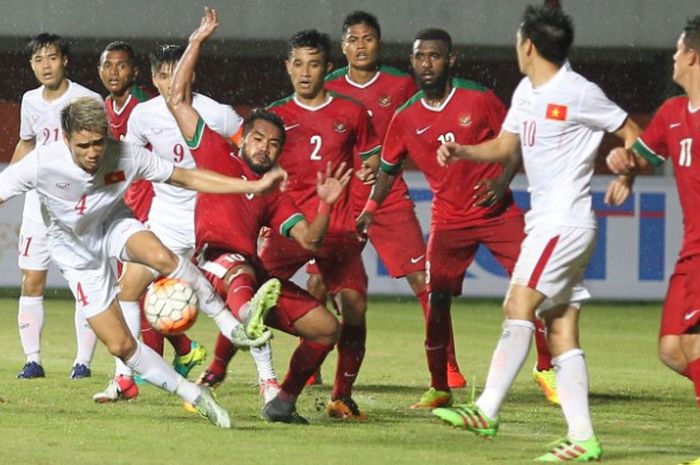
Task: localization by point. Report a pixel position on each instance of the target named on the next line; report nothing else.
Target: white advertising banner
(637, 244)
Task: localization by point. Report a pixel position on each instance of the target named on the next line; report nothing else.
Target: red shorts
(294, 302)
(339, 260)
(450, 252)
(138, 198)
(398, 239)
(682, 304)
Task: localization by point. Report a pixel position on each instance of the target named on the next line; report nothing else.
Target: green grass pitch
(643, 413)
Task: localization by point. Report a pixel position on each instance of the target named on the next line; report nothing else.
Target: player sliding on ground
(557, 119)
(227, 230)
(80, 181)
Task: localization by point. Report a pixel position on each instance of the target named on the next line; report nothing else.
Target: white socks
(507, 360)
(151, 367)
(86, 339)
(572, 387)
(30, 319)
(263, 361)
(132, 315)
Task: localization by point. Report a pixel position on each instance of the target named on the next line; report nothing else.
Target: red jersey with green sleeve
(140, 194)
(337, 131)
(469, 115)
(232, 222)
(382, 95)
(674, 133)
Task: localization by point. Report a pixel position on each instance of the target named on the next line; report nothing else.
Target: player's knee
(122, 348)
(329, 331)
(33, 283)
(352, 305)
(417, 281)
(163, 260)
(440, 300)
(671, 355)
(316, 286)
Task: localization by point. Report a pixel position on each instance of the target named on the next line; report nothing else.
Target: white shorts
(95, 288)
(553, 261)
(175, 241)
(33, 246)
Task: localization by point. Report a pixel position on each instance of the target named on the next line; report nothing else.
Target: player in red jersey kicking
(674, 133)
(227, 228)
(323, 126)
(450, 109)
(382, 89)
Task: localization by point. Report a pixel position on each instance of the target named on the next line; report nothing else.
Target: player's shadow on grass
(596, 398)
(390, 389)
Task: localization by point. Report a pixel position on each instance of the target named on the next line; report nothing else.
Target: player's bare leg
(351, 352)
(690, 343)
(318, 330)
(111, 328)
(671, 353)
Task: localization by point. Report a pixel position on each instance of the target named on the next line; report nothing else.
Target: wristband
(324, 208)
(371, 206)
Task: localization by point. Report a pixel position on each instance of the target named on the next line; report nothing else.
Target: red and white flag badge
(556, 112)
(114, 177)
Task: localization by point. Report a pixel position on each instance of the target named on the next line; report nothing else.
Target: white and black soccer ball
(171, 306)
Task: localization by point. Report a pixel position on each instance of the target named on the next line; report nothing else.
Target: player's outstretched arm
(180, 101)
(495, 150)
(329, 187)
(211, 182)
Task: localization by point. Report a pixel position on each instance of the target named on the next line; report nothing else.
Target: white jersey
(152, 123)
(41, 120)
(78, 207)
(561, 124)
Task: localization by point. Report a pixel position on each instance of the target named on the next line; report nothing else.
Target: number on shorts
(81, 206)
(317, 142)
(24, 249)
(81, 297)
(178, 153)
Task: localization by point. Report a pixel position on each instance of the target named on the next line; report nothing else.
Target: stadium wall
(637, 244)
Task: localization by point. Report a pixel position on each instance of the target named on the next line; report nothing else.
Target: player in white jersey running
(557, 119)
(40, 125)
(81, 182)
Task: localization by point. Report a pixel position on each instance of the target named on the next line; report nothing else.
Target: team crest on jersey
(384, 100)
(339, 126)
(114, 177)
(465, 120)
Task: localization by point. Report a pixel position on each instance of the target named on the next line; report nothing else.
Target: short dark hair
(120, 46)
(310, 38)
(46, 39)
(362, 17)
(165, 54)
(266, 115)
(433, 33)
(550, 29)
(691, 37)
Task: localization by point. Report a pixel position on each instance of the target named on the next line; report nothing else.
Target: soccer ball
(171, 306)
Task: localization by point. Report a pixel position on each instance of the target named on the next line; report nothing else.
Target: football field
(643, 413)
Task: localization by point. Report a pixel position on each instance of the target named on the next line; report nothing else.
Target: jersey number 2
(316, 141)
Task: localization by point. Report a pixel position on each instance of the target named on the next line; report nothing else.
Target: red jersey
(469, 115)
(381, 95)
(337, 131)
(674, 132)
(140, 194)
(232, 222)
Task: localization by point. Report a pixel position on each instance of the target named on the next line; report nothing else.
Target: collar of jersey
(59, 99)
(329, 99)
(565, 68)
(362, 86)
(121, 110)
(442, 105)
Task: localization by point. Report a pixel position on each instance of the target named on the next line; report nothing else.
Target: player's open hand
(210, 21)
(366, 174)
(487, 192)
(618, 190)
(272, 181)
(621, 161)
(449, 152)
(329, 185)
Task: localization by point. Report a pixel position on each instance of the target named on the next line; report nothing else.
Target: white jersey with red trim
(78, 207)
(40, 120)
(561, 124)
(152, 123)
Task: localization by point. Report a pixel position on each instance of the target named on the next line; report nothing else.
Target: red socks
(692, 371)
(306, 359)
(544, 358)
(351, 351)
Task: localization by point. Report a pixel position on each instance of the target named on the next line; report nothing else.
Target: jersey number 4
(685, 157)
(81, 206)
